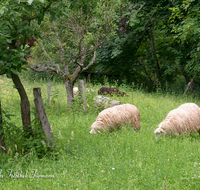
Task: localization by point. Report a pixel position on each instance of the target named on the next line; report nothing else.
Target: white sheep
(75, 91)
(87, 90)
(184, 119)
(111, 118)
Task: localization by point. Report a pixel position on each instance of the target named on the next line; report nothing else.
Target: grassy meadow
(124, 159)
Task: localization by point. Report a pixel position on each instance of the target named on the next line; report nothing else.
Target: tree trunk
(158, 73)
(42, 115)
(69, 89)
(142, 63)
(25, 106)
(187, 80)
(189, 86)
(2, 143)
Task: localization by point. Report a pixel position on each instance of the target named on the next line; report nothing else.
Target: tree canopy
(70, 46)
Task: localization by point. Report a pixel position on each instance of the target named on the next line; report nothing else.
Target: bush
(15, 140)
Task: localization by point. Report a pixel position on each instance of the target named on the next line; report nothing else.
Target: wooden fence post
(42, 115)
(81, 88)
(48, 92)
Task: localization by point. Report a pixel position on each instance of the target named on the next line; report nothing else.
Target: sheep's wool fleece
(75, 90)
(113, 117)
(186, 118)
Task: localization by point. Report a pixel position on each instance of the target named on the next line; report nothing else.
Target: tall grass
(124, 159)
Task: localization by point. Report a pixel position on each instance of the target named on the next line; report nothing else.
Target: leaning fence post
(81, 88)
(42, 115)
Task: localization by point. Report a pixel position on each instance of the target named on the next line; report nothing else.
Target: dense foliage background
(150, 43)
(156, 43)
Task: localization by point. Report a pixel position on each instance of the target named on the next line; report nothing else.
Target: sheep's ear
(92, 132)
(98, 131)
(157, 131)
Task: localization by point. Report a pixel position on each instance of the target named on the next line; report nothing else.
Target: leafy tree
(147, 49)
(136, 20)
(71, 44)
(15, 30)
(185, 19)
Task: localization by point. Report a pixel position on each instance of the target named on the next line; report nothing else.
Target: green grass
(124, 159)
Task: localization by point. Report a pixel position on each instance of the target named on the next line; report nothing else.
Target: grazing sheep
(87, 90)
(101, 101)
(75, 91)
(110, 91)
(184, 119)
(111, 118)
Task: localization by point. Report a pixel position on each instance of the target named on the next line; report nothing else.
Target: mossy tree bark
(25, 106)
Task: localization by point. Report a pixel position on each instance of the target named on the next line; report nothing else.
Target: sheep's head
(158, 132)
(95, 128)
(94, 132)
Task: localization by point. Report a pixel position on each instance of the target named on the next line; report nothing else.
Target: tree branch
(92, 61)
(139, 9)
(62, 52)
(145, 70)
(148, 20)
(47, 69)
(58, 70)
(76, 73)
(79, 53)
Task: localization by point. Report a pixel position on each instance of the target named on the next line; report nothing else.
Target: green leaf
(19, 69)
(29, 2)
(1, 12)
(26, 67)
(1, 63)
(13, 71)
(8, 74)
